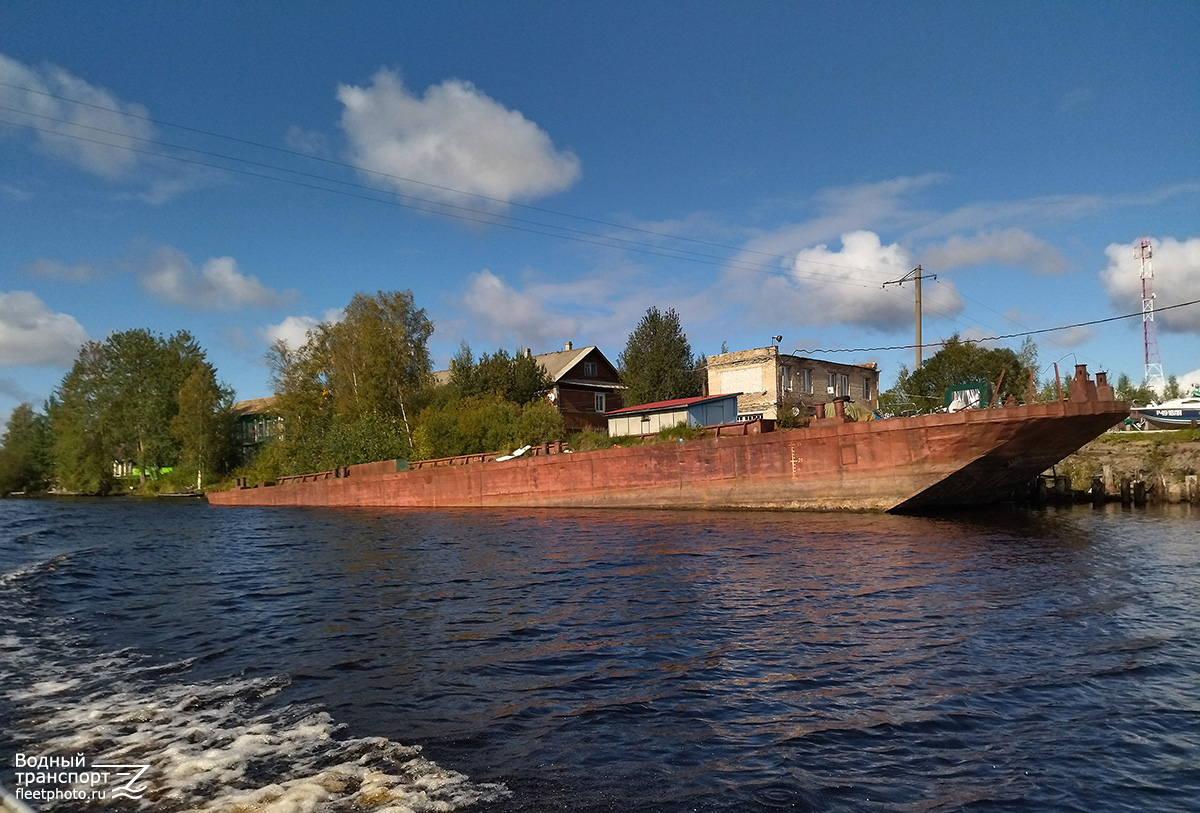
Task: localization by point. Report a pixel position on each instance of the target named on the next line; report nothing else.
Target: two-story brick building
(773, 383)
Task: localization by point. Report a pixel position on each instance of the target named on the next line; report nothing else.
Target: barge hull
(900, 464)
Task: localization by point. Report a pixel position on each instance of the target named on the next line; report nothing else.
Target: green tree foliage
(471, 425)
(657, 362)
(378, 355)
(897, 401)
(955, 363)
(486, 423)
(360, 439)
(1172, 390)
(495, 404)
(351, 393)
(25, 452)
(304, 401)
(145, 376)
(539, 422)
(518, 379)
(203, 424)
(1138, 396)
(84, 447)
(117, 404)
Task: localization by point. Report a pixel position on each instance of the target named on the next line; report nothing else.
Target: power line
(486, 217)
(451, 210)
(462, 213)
(1003, 316)
(466, 213)
(991, 338)
(377, 173)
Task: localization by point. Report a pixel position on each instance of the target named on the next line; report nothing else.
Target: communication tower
(1154, 370)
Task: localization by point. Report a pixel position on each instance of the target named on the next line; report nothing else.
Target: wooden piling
(1062, 489)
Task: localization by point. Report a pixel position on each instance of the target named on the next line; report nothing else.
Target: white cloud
(14, 193)
(171, 277)
(60, 125)
(846, 209)
(1189, 381)
(11, 388)
(166, 183)
(1176, 267)
(1072, 336)
(983, 336)
(30, 333)
(1039, 211)
(308, 142)
(504, 314)
(293, 330)
(827, 287)
(454, 137)
(52, 269)
(1015, 247)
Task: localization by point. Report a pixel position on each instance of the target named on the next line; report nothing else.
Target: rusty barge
(921, 463)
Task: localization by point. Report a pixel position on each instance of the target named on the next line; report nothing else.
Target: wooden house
(256, 422)
(585, 385)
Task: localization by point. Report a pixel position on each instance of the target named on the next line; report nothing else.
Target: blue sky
(543, 172)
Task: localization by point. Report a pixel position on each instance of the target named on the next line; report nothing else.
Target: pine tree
(657, 362)
(24, 452)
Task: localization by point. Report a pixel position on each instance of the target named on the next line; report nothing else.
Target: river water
(286, 660)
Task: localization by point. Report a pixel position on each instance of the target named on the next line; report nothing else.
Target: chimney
(528, 352)
(568, 347)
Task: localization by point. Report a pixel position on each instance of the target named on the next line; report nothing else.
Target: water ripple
(588, 661)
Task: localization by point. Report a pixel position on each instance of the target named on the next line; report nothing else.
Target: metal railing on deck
(558, 447)
(737, 429)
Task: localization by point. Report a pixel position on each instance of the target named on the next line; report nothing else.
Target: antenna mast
(1153, 377)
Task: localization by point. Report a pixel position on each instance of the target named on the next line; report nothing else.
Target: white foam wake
(210, 746)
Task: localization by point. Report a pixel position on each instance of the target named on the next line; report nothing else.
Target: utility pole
(917, 271)
(916, 276)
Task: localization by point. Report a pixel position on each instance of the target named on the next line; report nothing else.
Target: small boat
(1174, 414)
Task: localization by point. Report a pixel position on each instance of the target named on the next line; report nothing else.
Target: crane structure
(1153, 377)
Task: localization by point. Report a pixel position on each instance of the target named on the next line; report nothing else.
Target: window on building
(806, 381)
(832, 390)
(786, 376)
(843, 385)
(599, 402)
(589, 369)
(866, 389)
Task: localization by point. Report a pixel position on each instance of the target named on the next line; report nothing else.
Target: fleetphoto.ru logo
(52, 778)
